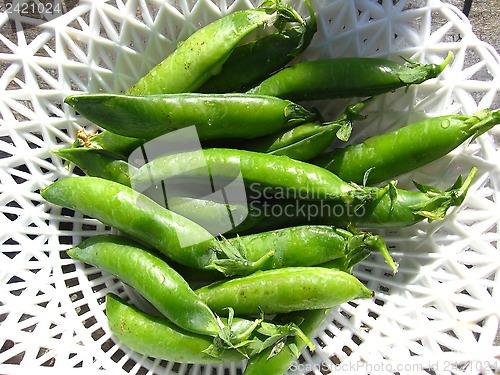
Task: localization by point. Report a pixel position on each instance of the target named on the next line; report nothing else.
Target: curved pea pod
(214, 115)
(260, 58)
(386, 156)
(283, 290)
(152, 277)
(394, 208)
(133, 213)
(307, 141)
(345, 77)
(158, 337)
(259, 171)
(98, 163)
(202, 54)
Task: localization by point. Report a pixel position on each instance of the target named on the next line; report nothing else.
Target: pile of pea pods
(259, 290)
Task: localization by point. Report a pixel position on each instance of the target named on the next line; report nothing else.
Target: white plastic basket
(439, 314)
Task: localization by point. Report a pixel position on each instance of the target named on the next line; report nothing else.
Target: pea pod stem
(439, 202)
(115, 144)
(386, 156)
(393, 208)
(345, 77)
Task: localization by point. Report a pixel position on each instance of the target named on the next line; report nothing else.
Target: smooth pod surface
(152, 277)
(215, 116)
(157, 337)
(389, 155)
(283, 290)
(133, 213)
(345, 77)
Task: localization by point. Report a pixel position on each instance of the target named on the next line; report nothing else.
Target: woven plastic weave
(439, 313)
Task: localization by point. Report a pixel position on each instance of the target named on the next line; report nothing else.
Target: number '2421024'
(31, 8)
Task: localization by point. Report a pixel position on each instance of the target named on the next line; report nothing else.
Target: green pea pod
(394, 208)
(283, 290)
(260, 171)
(345, 77)
(98, 163)
(157, 337)
(306, 141)
(133, 213)
(386, 156)
(303, 246)
(202, 54)
(303, 142)
(214, 115)
(152, 277)
(360, 246)
(260, 58)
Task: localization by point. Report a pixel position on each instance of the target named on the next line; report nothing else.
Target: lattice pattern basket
(439, 313)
